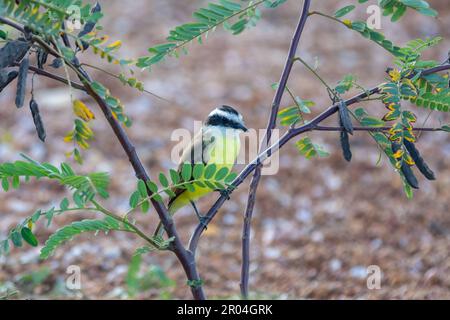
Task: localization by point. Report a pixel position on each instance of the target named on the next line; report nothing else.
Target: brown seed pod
(37, 120)
(22, 82)
(345, 119)
(56, 63)
(42, 56)
(406, 170)
(13, 51)
(8, 79)
(88, 27)
(420, 163)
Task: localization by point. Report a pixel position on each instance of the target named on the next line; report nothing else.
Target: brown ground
(318, 224)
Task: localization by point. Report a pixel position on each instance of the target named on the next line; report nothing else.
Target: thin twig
(245, 270)
(372, 129)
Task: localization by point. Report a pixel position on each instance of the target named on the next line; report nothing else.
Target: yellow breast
(223, 153)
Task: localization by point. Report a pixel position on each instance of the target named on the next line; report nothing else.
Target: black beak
(243, 128)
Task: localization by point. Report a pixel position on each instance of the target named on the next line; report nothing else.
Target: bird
(218, 142)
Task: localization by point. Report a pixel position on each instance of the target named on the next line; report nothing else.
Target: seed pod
(345, 145)
(37, 120)
(409, 176)
(22, 82)
(8, 79)
(406, 169)
(42, 56)
(13, 51)
(88, 27)
(56, 63)
(344, 116)
(3, 75)
(420, 163)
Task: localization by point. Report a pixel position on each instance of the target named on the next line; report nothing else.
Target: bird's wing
(198, 151)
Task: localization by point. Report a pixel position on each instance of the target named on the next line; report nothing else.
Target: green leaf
(145, 206)
(446, 128)
(16, 182)
(64, 205)
(310, 150)
(142, 188)
(4, 247)
(230, 178)
(186, 171)
(163, 180)
(29, 237)
(68, 232)
(5, 184)
(372, 122)
(49, 216)
(221, 174)
(16, 239)
(152, 186)
(134, 199)
(210, 171)
(401, 9)
(198, 170)
(343, 11)
(174, 176)
(233, 16)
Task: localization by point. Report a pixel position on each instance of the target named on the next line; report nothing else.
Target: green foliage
(397, 8)
(377, 37)
(233, 15)
(412, 51)
(84, 187)
(114, 104)
(432, 91)
(68, 232)
(293, 114)
(402, 155)
(346, 84)
(309, 150)
(43, 16)
(343, 11)
(188, 178)
(153, 277)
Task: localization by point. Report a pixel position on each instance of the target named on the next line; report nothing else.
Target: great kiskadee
(218, 142)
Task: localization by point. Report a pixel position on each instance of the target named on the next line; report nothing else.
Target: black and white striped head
(226, 117)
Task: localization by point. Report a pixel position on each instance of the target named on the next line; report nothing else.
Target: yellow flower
(82, 111)
(68, 137)
(398, 154)
(394, 74)
(115, 45)
(347, 22)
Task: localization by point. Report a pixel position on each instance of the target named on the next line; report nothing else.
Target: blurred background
(317, 224)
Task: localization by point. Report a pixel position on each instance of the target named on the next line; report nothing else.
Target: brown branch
(372, 129)
(55, 77)
(185, 257)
